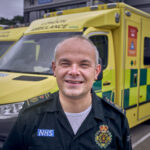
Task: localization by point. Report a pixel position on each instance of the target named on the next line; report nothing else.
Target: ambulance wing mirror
(100, 76)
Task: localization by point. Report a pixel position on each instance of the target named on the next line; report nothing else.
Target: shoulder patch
(37, 100)
(117, 107)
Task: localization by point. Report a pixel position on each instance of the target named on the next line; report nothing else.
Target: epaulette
(115, 106)
(36, 100)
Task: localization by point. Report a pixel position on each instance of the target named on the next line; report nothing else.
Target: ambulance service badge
(103, 136)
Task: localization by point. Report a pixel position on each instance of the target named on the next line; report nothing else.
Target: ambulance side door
(102, 39)
(132, 68)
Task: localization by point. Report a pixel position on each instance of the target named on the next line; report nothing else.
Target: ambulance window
(101, 42)
(34, 53)
(147, 51)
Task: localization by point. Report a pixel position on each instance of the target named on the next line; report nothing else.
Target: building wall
(36, 3)
(140, 4)
(35, 9)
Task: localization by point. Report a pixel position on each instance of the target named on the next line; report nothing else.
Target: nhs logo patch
(45, 132)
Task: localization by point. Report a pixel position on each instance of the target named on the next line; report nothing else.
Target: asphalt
(141, 136)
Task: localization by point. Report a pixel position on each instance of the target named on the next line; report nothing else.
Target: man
(74, 118)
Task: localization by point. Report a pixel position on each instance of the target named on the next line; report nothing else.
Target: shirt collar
(54, 103)
(97, 106)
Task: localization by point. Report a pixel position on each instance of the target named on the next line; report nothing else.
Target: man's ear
(97, 71)
(54, 67)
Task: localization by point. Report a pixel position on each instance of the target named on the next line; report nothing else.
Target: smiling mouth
(74, 82)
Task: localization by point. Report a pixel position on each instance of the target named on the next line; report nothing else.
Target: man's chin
(75, 94)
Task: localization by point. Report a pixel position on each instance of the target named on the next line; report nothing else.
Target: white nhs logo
(45, 132)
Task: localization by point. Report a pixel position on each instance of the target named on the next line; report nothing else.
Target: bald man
(73, 118)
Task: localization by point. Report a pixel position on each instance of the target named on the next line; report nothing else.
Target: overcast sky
(11, 8)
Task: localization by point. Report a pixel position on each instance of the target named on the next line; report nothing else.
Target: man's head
(83, 39)
(75, 67)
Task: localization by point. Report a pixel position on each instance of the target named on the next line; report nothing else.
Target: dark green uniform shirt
(44, 126)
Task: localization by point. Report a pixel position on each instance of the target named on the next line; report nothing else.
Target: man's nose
(74, 70)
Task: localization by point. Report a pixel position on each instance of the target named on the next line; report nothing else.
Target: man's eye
(65, 64)
(84, 65)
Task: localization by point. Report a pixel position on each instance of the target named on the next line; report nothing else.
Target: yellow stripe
(99, 94)
(148, 76)
(142, 93)
(127, 78)
(133, 96)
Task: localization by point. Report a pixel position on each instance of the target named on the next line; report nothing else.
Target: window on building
(147, 51)
(101, 42)
(31, 2)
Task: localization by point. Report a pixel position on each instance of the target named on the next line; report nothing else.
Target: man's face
(75, 68)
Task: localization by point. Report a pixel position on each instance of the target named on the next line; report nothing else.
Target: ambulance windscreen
(33, 53)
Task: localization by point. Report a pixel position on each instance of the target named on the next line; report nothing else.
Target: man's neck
(73, 105)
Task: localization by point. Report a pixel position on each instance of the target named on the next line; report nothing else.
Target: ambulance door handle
(106, 83)
(135, 79)
(141, 96)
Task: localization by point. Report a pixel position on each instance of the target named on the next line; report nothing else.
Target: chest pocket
(44, 143)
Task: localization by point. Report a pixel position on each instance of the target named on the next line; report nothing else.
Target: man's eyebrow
(64, 60)
(85, 61)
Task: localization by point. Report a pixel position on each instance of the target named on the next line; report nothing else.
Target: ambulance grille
(30, 78)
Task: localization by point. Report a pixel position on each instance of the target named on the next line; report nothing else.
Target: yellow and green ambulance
(122, 36)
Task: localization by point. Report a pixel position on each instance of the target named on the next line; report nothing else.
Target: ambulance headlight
(10, 110)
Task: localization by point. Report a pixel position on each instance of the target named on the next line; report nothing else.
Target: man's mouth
(73, 82)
